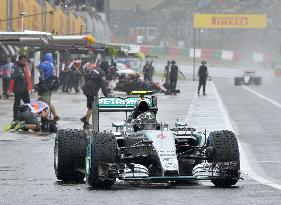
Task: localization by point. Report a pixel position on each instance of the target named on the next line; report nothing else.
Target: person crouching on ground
(28, 118)
(94, 81)
(47, 73)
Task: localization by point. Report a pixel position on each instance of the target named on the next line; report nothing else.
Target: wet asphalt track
(26, 161)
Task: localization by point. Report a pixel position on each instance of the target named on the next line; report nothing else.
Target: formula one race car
(142, 149)
(249, 77)
(132, 82)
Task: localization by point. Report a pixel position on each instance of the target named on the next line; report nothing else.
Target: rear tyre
(224, 148)
(101, 148)
(237, 81)
(258, 80)
(69, 155)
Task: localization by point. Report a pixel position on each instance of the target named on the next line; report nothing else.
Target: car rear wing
(249, 72)
(118, 104)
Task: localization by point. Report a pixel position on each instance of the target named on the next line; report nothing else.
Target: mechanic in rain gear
(146, 71)
(21, 83)
(48, 82)
(173, 78)
(167, 71)
(105, 68)
(166, 76)
(151, 71)
(64, 76)
(104, 65)
(28, 118)
(75, 75)
(94, 81)
(203, 75)
(5, 72)
(113, 69)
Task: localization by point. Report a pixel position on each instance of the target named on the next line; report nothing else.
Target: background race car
(248, 78)
(130, 82)
(142, 149)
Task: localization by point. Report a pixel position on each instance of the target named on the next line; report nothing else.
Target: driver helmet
(142, 106)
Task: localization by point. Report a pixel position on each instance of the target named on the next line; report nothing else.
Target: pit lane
(26, 162)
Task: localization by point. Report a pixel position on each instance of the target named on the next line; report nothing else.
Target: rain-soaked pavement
(26, 160)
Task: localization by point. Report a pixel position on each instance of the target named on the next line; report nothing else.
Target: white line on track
(224, 113)
(191, 108)
(245, 165)
(247, 169)
(269, 161)
(263, 97)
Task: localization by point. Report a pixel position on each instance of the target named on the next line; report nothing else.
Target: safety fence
(204, 53)
(227, 55)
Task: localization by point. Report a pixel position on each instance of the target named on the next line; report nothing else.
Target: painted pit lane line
(263, 97)
(225, 123)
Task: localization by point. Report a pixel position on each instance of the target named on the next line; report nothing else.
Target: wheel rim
(56, 155)
(88, 159)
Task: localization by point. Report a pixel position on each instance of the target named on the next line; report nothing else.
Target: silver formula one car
(248, 78)
(143, 149)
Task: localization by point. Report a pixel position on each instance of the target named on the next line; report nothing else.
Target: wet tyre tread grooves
(226, 149)
(71, 155)
(104, 149)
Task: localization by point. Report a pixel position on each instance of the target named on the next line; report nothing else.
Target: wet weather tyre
(101, 148)
(224, 148)
(258, 80)
(69, 155)
(237, 81)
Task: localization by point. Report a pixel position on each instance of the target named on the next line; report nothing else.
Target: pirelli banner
(219, 21)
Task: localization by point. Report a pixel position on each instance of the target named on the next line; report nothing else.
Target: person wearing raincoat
(47, 80)
(20, 84)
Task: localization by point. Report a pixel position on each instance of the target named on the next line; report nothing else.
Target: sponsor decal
(229, 21)
(161, 136)
(120, 102)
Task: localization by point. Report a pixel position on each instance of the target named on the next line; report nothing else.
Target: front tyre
(238, 81)
(101, 148)
(69, 155)
(258, 80)
(225, 150)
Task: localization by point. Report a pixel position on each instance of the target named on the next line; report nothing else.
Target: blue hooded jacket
(47, 67)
